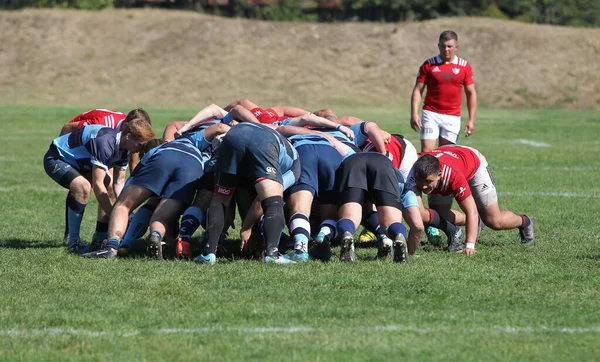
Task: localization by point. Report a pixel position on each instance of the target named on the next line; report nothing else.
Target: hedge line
(584, 13)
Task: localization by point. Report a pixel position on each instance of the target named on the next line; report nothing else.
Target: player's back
(100, 116)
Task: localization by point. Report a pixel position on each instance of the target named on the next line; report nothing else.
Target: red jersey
(457, 165)
(105, 117)
(394, 148)
(445, 82)
(268, 115)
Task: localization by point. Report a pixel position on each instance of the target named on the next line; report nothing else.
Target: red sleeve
(469, 79)
(422, 76)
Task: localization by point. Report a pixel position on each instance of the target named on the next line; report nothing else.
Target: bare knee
(493, 223)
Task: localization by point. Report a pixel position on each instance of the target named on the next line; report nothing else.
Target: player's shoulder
(461, 62)
(435, 60)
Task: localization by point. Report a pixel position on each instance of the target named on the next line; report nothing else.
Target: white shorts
(435, 125)
(482, 186)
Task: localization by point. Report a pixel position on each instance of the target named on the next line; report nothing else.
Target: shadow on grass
(26, 244)
(595, 257)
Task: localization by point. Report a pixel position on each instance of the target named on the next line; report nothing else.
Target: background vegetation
(556, 12)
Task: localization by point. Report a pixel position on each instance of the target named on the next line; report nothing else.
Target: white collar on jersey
(118, 139)
(454, 60)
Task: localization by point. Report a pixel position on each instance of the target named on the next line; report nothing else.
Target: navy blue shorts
(59, 170)
(169, 174)
(249, 152)
(318, 166)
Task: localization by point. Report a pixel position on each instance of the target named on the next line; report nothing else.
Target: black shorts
(371, 172)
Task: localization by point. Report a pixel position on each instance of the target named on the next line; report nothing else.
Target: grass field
(507, 302)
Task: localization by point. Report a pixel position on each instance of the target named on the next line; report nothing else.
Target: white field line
(24, 333)
(549, 168)
(551, 194)
(532, 143)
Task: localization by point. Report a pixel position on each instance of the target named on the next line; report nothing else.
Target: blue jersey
(196, 135)
(360, 134)
(93, 145)
(315, 139)
(181, 145)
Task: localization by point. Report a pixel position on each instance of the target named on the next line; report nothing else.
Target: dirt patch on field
(160, 58)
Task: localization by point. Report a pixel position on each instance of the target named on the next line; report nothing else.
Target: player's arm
(254, 213)
(211, 111)
(310, 119)
(134, 159)
(412, 216)
(215, 131)
(171, 129)
(469, 207)
(376, 136)
(326, 113)
(415, 101)
(239, 114)
(68, 128)
(100, 179)
(289, 111)
(471, 95)
(118, 180)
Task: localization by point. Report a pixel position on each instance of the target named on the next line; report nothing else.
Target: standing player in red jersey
(462, 173)
(444, 76)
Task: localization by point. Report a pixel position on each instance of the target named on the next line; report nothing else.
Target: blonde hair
(139, 128)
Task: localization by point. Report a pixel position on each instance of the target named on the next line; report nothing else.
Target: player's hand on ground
(415, 123)
(468, 251)
(245, 235)
(469, 128)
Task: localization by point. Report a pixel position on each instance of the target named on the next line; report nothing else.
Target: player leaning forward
(79, 161)
(462, 173)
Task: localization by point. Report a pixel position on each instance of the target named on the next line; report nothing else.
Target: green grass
(505, 303)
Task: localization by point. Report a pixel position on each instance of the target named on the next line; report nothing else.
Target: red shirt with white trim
(445, 82)
(394, 147)
(457, 166)
(268, 116)
(105, 117)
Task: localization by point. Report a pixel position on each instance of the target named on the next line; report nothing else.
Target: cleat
(154, 248)
(66, 239)
(455, 240)
(106, 253)
(277, 258)
(209, 259)
(400, 249)
(347, 247)
(97, 243)
(183, 250)
(480, 227)
(366, 236)
(434, 236)
(384, 246)
(321, 248)
(297, 256)
(78, 247)
(526, 233)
